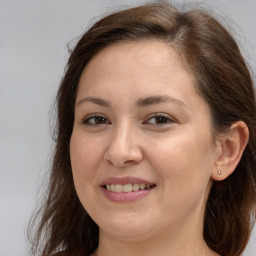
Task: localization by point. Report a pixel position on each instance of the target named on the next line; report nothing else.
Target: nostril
(108, 161)
(123, 154)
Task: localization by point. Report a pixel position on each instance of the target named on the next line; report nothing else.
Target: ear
(230, 149)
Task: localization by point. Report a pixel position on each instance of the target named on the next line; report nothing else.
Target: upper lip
(125, 180)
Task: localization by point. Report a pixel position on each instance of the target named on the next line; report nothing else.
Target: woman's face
(142, 148)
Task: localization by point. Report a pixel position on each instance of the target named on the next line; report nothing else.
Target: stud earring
(219, 172)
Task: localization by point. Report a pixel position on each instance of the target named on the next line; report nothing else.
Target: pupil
(160, 120)
(99, 120)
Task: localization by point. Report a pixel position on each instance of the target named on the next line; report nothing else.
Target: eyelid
(88, 117)
(155, 115)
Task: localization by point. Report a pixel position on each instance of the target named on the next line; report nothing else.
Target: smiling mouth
(126, 188)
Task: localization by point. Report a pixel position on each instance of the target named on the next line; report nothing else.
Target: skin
(178, 152)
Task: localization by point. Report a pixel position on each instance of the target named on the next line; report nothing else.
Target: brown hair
(222, 79)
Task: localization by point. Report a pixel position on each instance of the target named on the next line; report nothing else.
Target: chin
(127, 228)
(126, 233)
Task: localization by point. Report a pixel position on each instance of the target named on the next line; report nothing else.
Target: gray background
(33, 53)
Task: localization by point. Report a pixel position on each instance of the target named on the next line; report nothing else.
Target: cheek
(85, 158)
(183, 159)
(184, 167)
(85, 161)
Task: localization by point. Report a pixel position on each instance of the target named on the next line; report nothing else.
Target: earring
(219, 172)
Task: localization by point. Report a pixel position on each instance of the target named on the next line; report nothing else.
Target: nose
(124, 149)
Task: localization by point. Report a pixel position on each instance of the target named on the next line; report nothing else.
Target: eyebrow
(95, 100)
(142, 102)
(153, 100)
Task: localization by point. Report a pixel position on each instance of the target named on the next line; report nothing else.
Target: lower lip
(125, 197)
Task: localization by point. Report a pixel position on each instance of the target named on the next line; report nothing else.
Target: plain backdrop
(33, 52)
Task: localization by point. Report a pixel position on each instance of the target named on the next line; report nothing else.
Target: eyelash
(163, 118)
(101, 120)
(97, 118)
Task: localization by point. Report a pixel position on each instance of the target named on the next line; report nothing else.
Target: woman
(155, 140)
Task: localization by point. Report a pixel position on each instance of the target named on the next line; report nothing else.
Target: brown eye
(159, 120)
(96, 120)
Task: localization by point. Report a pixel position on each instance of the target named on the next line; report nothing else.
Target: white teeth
(126, 188)
(119, 188)
(142, 186)
(135, 187)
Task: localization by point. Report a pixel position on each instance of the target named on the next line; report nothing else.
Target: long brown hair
(222, 79)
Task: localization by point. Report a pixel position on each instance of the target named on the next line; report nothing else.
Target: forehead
(136, 61)
(152, 50)
(128, 71)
